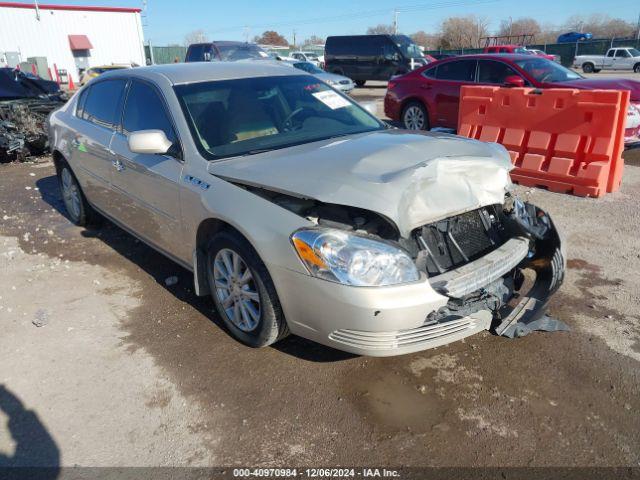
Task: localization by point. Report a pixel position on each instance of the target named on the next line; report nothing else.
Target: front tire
(636, 68)
(78, 209)
(415, 116)
(588, 68)
(243, 292)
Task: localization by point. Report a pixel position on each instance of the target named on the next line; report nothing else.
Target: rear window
(460, 70)
(104, 101)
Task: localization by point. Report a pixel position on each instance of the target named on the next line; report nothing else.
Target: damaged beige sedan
(298, 211)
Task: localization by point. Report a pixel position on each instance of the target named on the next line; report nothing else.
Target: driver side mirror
(149, 142)
(514, 81)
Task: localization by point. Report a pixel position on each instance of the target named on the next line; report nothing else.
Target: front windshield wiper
(258, 150)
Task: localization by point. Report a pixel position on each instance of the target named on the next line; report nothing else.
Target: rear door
(91, 159)
(147, 186)
(450, 77)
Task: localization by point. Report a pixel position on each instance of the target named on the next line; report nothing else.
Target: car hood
(604, 84)
(411, 178)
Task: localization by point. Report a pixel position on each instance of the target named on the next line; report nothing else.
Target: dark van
(371, 57)
(225, 51)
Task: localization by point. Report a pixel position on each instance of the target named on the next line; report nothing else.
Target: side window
(610, 53)
(461, 71)
(104, 102)
(431, 72)
(81, 101)
(622, 54)
(493, 72)
(195, 53)
(145, 110)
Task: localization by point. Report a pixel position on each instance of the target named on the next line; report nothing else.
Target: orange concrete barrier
(565, 140)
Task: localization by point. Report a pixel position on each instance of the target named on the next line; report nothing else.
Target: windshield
(544, 70)
(407, 47)
(311, 56)
(634, 52)
(241, 52)
(252, 115)
(308, 67)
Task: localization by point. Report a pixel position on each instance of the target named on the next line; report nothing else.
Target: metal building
(71, 37)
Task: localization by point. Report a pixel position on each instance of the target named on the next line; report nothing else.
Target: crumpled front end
(506, 259)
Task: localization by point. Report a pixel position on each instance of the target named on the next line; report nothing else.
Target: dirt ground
(125, 371)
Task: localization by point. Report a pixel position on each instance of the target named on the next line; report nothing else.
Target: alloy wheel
(71, 194)
(414, 118)
(236, 290)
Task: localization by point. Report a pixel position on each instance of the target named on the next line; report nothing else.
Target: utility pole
(294, 37)
(638, 35)
(245, 32)
(395, 21)
(37, 9)
(510, 27)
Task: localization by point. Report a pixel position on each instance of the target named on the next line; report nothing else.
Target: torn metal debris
(25, 103)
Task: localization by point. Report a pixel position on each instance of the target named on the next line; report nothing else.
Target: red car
(429, 96)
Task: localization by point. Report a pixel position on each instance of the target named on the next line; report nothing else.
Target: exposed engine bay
(480, 259)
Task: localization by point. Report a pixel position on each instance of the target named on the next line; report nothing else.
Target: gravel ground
(125, 371)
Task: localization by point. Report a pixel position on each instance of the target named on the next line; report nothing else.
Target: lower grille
(439, 332)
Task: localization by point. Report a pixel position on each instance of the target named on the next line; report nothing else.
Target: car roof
(180, 73)
(491, 56)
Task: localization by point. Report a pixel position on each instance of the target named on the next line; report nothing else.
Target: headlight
(350, 259)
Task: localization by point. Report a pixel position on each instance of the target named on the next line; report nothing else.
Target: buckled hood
(410, 178)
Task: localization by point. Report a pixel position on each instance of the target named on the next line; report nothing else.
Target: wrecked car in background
(298, 211)
(25, 102)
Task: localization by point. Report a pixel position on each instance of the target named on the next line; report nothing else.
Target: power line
(365, 14)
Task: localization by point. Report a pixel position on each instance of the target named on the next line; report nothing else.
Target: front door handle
(118, 165)
(425, 86)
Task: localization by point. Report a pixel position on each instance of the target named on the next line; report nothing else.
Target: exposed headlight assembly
(349, 259)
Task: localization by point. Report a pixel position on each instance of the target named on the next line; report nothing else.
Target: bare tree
(463, 32)
(381, 29)
(195, 36)
(600, 25)
(314, 40)
(520, 26)
(271, 37)
(429, 41)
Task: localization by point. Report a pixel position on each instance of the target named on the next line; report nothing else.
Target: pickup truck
(621, 58)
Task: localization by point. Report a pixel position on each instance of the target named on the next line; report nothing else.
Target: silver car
(298, 211)
(339, 82)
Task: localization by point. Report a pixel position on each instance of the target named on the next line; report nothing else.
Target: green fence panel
(165, 54)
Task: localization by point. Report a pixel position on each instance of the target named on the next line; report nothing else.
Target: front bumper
(386, 321)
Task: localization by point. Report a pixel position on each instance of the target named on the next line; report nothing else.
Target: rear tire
(78, 209)
(636, 68)
(415, 116)
(243, 292)
(360, 83)
(588, 68)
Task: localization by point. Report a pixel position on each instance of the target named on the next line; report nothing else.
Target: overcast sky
(167, 21)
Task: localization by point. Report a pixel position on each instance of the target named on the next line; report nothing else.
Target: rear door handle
(118, 165)
(425, 86)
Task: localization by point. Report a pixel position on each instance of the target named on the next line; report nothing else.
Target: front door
(146, 185)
